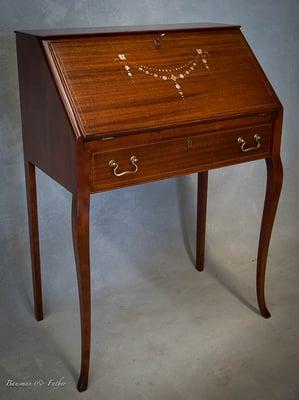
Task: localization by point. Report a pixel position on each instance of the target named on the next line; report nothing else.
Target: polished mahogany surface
(175, 157)
(108, 30)
(107, 100)
(114, 107)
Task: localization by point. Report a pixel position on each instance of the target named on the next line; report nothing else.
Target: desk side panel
(48, 138)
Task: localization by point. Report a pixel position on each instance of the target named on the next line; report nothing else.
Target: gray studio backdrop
(143, 238)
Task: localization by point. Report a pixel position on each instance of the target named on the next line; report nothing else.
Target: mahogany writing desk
(114, 107)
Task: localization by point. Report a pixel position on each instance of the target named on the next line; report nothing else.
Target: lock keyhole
(190, 143)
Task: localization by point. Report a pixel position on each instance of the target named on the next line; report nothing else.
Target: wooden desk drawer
(117, 168)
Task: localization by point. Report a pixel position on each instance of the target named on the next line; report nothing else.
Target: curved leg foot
(274, 183)
(82, 383)
(202, 191)
(80, 225)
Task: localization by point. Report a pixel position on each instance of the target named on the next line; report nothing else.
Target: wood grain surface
(80, 110)
(107, 101)
(178, 156)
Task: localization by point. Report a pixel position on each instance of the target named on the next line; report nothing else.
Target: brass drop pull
(113, 164)
(242, 142)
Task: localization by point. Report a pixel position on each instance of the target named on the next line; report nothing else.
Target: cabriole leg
(80, 226)
(274, 183)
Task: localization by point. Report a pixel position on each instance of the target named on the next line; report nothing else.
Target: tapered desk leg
(274, 183)
(202, 192)
(80, 226)
(34, 238)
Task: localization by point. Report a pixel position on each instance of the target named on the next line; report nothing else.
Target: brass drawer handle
(256, 137)
(113, 164)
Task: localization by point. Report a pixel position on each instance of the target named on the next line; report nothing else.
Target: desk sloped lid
(131, 82)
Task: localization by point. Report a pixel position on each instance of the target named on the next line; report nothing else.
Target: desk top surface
(122, 81)
(107, 30)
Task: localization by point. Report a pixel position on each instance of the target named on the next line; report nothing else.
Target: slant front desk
(114, 107)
